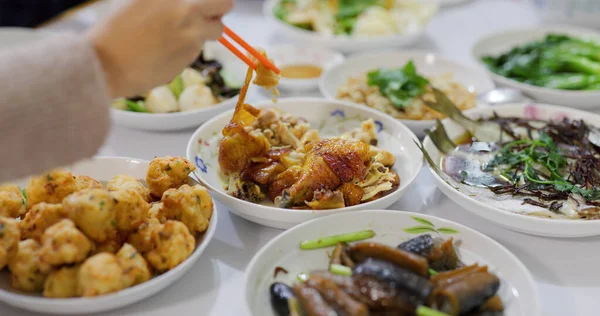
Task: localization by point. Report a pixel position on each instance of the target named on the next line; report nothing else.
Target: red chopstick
(263, 60)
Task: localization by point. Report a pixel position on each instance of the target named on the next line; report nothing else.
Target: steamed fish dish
(356, 18)
(204, 84)
(422, 276)
(531, 167)
(403, 92)
(267, 155)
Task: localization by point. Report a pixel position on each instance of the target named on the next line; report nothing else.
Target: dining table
(564, 269)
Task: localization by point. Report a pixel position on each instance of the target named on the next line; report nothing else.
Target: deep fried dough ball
(93, 211)
(62, 283)
(51, 187)
(9, 239)
(86, 182)
(125, 182)
(157, 210)
(28, 273)
(12, 201)
(172, 243)
(190, 205)
(39, 218)
(167, 172)
(130, 208)
(135, 268)
(141, 238)
(63, 243)
(100, 274)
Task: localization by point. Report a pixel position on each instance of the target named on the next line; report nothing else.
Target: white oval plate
(428, 64)
(332, 118)
(103, 169)
(344, 44)
(501, 42)
(518, 291)
(286, 55)
(189, 119)
(504, 217)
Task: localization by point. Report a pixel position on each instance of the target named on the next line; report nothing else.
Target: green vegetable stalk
(333, 240)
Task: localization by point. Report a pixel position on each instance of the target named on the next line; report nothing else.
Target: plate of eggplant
(382, 262)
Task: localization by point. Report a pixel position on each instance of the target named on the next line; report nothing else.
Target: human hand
(146, 43)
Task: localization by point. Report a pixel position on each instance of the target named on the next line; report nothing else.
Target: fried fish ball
(190, 205)
(63, 243)
(93, 211)
(157, 210)
(130, 208)
(51, 187)
(135, 268)
(167, 172)
(100, 274)
(172, 243)
(86, 182)
(62, 283)
(9, 239)
(39, 218)
(128, 183)
(12, 201)
(28, 273)
(141, 238)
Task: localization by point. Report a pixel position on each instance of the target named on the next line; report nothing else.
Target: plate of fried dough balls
(102, 234)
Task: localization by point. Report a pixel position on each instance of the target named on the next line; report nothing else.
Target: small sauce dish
(301, 67)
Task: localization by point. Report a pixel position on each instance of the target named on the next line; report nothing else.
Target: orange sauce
(301, 71)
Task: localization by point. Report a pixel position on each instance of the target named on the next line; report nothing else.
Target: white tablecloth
(566, 270)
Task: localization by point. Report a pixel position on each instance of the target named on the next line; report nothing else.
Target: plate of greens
(352, 26)
(531, 168)
(559, 65)
(399, 84)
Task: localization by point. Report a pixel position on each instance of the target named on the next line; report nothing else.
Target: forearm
(54, 106)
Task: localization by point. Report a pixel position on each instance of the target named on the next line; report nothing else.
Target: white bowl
(498, 43)
(103, 169)
(288, 55)
(426, 63)
(189, 119)
(518, 291)
(330, 117)
(474, 200)
(344, 44)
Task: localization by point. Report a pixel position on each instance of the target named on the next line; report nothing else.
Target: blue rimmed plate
(332, 118)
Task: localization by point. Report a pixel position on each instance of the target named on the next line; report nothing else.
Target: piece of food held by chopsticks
(266, 155)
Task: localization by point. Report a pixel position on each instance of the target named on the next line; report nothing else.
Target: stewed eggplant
(280, 296)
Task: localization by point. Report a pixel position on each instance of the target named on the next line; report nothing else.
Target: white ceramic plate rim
(146, 286)
(549, 29)
(560, 223)
(266, 104)
(404, 54)
(275, 240)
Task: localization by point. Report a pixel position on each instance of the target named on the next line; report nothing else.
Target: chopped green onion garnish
(432, 272)
(340, 269)
(333, 240)
(302, 277)
(426, 311)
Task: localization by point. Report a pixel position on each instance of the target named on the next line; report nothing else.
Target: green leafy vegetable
(558, 62)
(333, 240)
(399, 85)
(422, 221)
(136, 106)
(420, 230)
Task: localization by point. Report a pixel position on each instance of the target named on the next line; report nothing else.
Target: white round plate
(103, 169)
(189, 119)
(477, 201)
(332, 118)
(344, 44)
(286, 55)
(517, 291)
(14, 36)
(501, 42)
(428, 64)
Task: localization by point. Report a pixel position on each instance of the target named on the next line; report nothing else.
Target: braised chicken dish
(269, 155)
